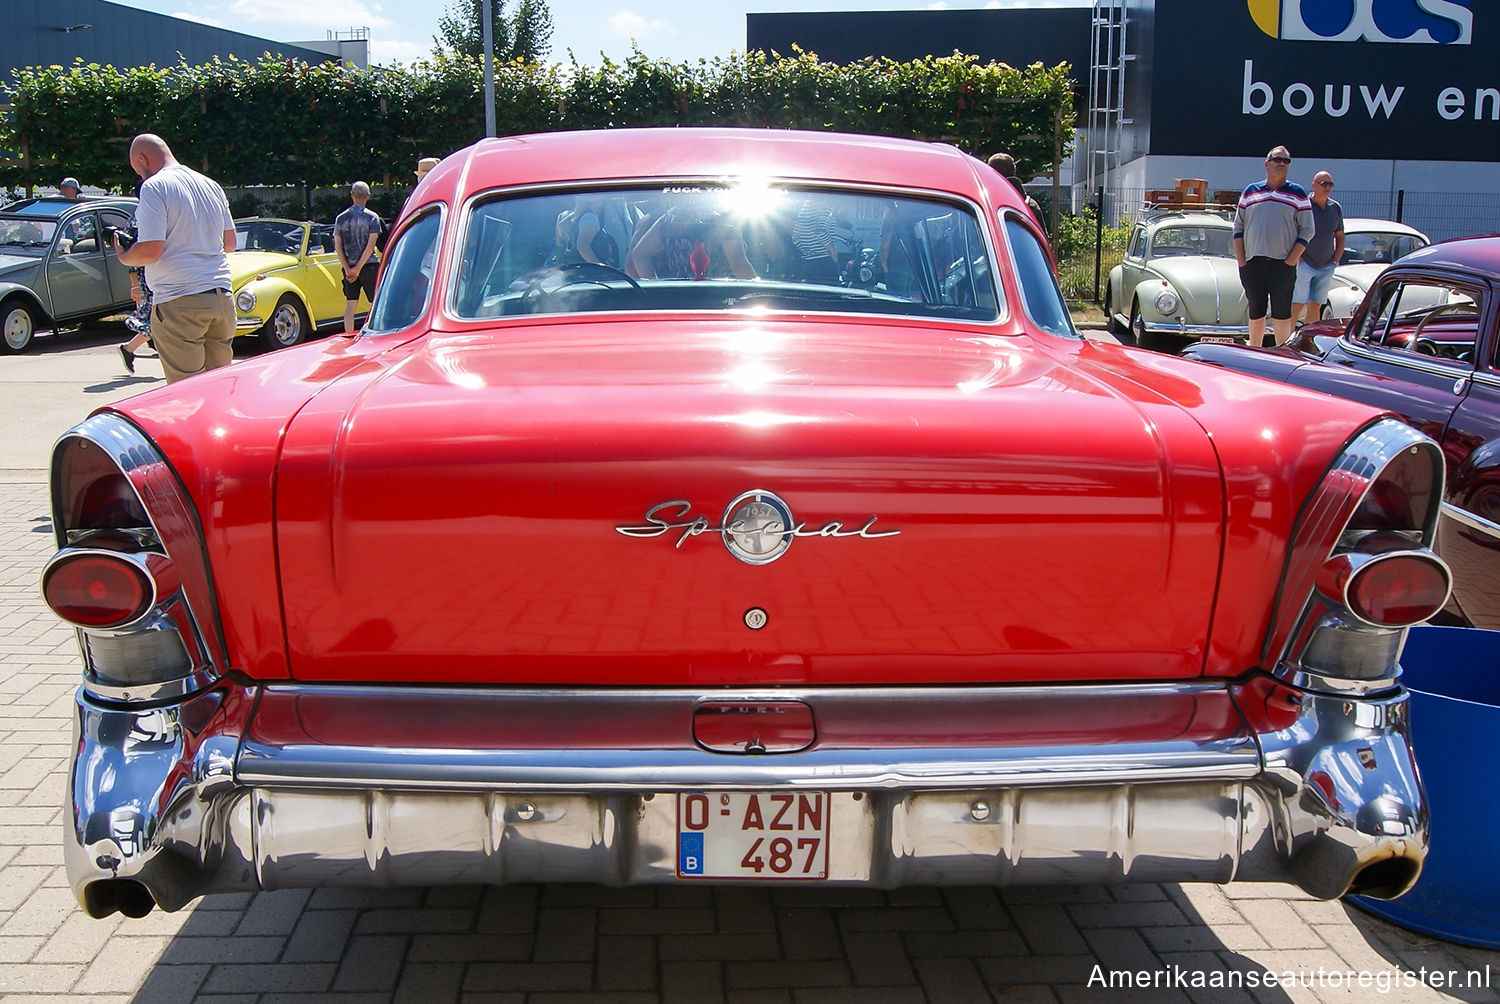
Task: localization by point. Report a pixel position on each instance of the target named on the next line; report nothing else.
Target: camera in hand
(127, 237)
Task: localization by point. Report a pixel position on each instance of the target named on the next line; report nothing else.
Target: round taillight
(1398, 590)
(97, 590)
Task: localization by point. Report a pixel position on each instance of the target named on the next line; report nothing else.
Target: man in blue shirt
(1272, 227)
(355, 232)
(1315, 270)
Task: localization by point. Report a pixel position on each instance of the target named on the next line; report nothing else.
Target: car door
(77, 270)
(119, 275)
(1469, 534)
(1409, 348)
(322, 279)
(1132, 268)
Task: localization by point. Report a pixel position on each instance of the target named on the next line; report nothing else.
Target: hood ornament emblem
(757, 527)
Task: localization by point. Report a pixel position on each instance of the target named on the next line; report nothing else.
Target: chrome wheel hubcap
(286, 324)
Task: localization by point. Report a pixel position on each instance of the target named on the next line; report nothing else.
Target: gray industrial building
(1399, 100)
(48, 32)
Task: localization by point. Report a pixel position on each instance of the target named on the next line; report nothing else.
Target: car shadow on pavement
(72, 339)
(1191, 942)
(1467, 973)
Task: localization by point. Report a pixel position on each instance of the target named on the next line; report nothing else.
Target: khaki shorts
(193, 333)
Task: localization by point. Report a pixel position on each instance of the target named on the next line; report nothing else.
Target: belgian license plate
(1217, 339)
(753, 835)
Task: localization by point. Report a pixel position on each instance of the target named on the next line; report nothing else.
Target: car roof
(1477, 255)
(1361, 224)
(613, 154)
(1189, 218)
(52, 206)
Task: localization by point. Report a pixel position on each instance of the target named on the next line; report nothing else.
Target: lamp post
(489, 71)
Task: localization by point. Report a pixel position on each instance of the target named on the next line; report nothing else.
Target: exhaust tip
(100, 899)
(1386, 879)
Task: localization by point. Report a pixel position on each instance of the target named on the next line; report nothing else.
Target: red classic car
(706, 506)
(1423, 344)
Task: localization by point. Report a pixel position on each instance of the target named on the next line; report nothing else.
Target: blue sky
(402, 30)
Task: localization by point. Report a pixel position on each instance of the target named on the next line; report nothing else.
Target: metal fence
(1090, 243)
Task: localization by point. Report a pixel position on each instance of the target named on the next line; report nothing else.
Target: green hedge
(282, 122)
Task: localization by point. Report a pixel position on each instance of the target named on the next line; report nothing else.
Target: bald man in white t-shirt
(185, 233)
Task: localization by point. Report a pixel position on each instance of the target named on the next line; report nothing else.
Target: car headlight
(245, 301)
(1167, 301)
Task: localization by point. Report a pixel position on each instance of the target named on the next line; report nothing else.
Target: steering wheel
(1457, 307)
(575, 273)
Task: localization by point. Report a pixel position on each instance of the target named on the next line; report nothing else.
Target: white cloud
(629, 24)
(325, 14)
(194, 16)
(398, 51)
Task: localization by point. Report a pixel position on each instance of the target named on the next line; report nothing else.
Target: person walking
(1315, 270)
(355, 233)
(139, 321)
(185, 235)
(1273, 224)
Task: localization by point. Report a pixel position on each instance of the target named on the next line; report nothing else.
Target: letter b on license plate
(753, 835)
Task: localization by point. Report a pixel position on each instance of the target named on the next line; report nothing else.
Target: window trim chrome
(467, 209)
(1407, 360)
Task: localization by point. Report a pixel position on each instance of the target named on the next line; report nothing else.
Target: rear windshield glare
(725, 248)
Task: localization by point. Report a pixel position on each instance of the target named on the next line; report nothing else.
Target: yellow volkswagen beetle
(287, 282)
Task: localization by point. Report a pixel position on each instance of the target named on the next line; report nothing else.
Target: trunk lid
(548, 505)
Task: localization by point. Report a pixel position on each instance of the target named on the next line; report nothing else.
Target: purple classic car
(1423, 344)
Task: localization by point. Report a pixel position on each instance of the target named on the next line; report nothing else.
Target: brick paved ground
(560, 943)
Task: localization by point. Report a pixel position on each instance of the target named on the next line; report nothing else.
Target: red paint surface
(440, 505)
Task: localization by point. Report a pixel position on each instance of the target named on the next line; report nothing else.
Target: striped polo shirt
(1272, 221)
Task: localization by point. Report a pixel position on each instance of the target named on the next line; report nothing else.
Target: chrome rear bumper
(578, 786)
(1186, 330)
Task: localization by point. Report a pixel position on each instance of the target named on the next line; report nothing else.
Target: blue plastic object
(1454, 677)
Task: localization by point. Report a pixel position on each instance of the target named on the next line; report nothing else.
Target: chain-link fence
(1090, 243)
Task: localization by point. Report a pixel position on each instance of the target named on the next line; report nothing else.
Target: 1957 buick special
(720, 506)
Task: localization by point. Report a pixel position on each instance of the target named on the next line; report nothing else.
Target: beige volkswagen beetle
(1178, 282)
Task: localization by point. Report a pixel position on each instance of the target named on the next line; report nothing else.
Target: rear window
(724, 247)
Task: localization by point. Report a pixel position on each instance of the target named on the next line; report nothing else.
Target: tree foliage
(525, 35)
(279, 122)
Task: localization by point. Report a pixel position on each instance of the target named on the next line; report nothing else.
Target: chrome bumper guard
(1186, 330)
(171, 803)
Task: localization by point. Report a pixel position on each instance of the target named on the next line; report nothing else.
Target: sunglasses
(1278, 160)
(1325, 184)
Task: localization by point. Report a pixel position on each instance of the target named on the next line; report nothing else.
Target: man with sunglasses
(1315, 270)
(1273, 225)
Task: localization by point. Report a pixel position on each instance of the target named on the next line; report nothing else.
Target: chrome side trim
(164, 804)
(1471, 521)
(1488, 379)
